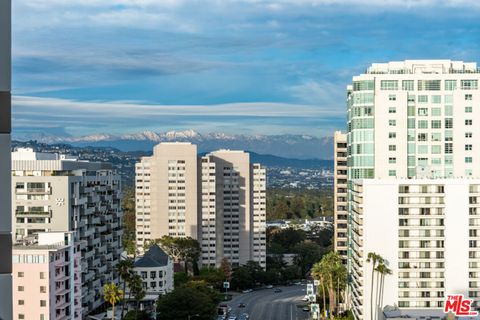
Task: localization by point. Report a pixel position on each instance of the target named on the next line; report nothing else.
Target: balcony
(34, 214)
(47, 190)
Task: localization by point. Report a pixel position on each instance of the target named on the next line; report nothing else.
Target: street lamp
(194, 315)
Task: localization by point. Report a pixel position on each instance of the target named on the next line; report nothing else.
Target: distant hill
(274, 161)
(303, 147)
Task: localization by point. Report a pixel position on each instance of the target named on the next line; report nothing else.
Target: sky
(235, 66)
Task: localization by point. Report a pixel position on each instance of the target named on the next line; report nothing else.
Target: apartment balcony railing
(34, 213)
(47, 190)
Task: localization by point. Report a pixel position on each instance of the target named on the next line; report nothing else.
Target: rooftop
(154, 257)
(423, 67)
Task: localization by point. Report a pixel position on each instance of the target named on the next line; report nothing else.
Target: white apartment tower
(340, 194)
(412, 169)
(5, 129)
(218, 199)
(57, 193)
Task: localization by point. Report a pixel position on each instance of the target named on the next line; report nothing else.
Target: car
(247, 290)
(241, 305)
(232, 317)
(306, 309)
(243, 316)
(269, 286)
(298, 283)
(305, 298)
(277, 290)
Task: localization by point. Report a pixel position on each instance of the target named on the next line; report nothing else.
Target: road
(267, 305)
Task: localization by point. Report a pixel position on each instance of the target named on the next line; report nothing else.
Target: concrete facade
(47, 278)
(228, 216)
(77, 196)
(340, 194)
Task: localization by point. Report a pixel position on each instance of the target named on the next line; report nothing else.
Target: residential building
(47, 278)
(155, 268)
(228, 213)
(57, 193)
(340, 212)
(5, 188)
(428, 231)
(414, 118)
(412, 129)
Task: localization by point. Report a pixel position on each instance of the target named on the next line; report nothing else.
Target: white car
(232, 317)
(305, 298)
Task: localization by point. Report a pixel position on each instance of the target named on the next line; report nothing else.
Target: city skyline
(247, 67)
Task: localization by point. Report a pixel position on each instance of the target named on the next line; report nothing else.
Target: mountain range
(287, 145)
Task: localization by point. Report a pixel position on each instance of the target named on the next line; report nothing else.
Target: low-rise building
(155, 268)
(47, 278)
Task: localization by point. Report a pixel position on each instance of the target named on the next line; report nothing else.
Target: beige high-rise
(340, 194)
(218, 199)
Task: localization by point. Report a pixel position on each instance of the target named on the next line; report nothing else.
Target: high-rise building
(218, 199)
(411, 184)
(340, 194)
(414, 118)
(57, 193)
(47, 278)
(5, 129)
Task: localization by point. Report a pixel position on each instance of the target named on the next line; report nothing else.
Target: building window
(429, 85)
(43, 303)
(392, 135)
(468, 97)
(468, 122)
(392, 147)
(448, 123)
(450, 85)
(448, 147)
(468, 147)
(21, 302)
(392, 123)
(437, 112)
(42, 275)
(422, 137)
(469, 84)
(422, 112)
(422, 124)
(392, 173)
(422, 98)
(392, 160)
(20, 274)
(389, 85)
(392, 97)
(43, 289)
(153, 274)
(468, 134)
(21, 316)
(392, 110)
(436, 124)
(468, 159)
(436, 149)
(468, 109)
(407, 85)
(21, 288)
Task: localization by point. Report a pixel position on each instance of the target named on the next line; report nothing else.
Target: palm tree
(318, 274)
(382, 270)
(136, 288)
(376, 259)
(112, 294)
(125, 271)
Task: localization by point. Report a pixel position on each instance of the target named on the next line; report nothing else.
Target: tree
(112, 294)
(375, 259)
(318, 273)
(125, 271)
(226, 268)
(286, 238)
(242, 279)
(181, 249)
(211, 276)
(382, 270)
(136, 288)
(180, 278)
(332, 275)
(184, 301)
(307, 254)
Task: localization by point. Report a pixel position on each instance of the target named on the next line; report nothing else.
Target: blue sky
(236, 66)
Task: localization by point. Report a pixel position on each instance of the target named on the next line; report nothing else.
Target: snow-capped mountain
(289, 146)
